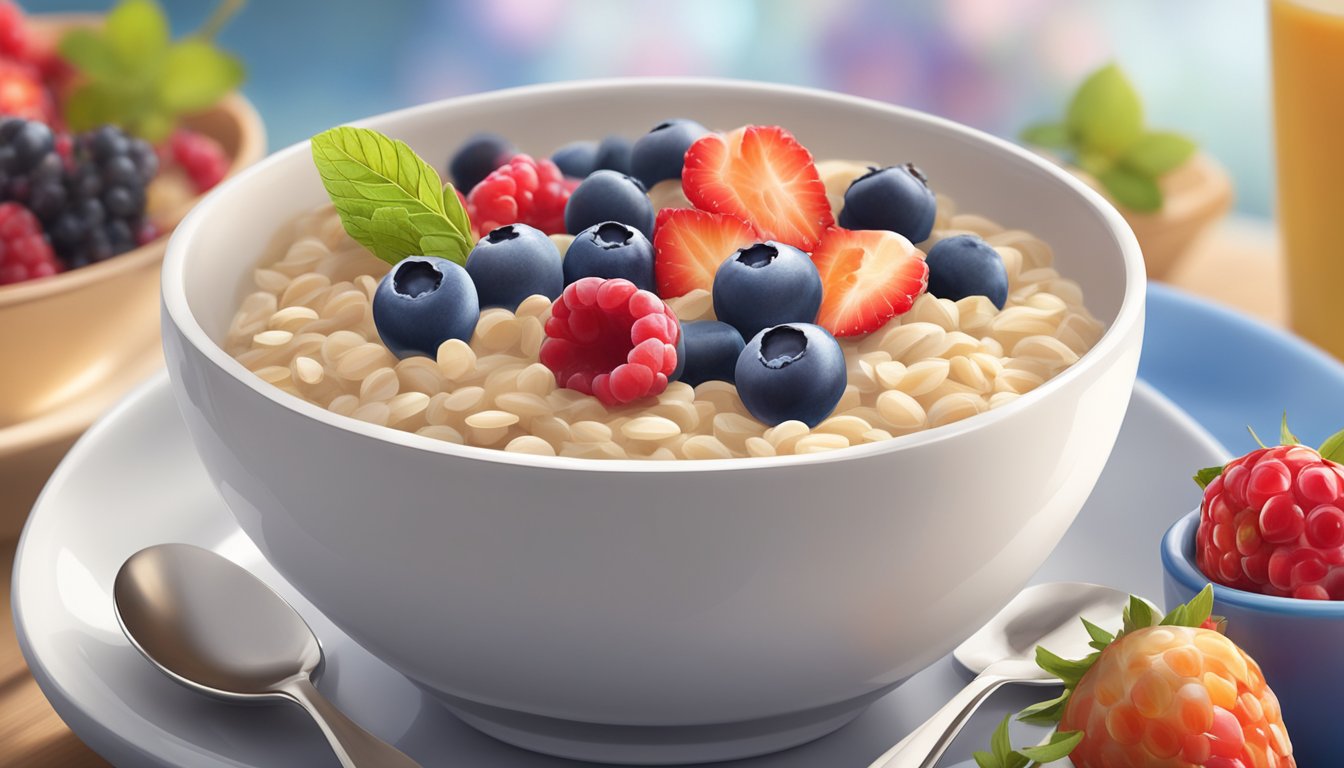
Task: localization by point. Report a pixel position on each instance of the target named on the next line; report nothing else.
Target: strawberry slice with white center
(867, 277)
(689, 246)
(762, 175)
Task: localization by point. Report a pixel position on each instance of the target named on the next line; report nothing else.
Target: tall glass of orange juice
(1307, 42)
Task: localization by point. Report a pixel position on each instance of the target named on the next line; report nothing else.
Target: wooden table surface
(32, 735)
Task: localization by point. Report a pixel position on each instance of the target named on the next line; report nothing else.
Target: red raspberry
(25, 253)
(200, 156)
(609, 339)
(523, 190)
(1273, 522)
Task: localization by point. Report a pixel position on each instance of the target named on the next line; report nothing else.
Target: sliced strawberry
(689, 246)
(760, 174)
(867, 277)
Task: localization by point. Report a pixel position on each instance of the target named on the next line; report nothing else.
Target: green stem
(223, 12)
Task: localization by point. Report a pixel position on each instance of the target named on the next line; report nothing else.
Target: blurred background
(994, 64)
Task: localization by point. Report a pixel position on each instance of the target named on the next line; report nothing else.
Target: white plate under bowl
(134, 480)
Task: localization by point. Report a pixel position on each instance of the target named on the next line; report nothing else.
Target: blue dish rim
(1178, 560)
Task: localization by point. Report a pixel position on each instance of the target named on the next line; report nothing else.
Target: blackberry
(32, 171)
(104, 206)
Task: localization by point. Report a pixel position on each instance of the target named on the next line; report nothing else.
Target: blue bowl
(1299, 645)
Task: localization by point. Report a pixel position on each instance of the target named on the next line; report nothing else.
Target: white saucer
(134, 480)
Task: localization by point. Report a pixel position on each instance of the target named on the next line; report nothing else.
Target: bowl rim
(252, 149)
(1128, 318)
(1178, 547)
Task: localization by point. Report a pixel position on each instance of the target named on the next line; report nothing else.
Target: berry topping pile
(692, 281)
(79, 157)
(1272, 521)
(1165, 692)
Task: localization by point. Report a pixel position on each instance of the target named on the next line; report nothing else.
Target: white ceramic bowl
(658, 612)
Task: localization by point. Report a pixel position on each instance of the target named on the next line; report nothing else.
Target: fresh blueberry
(423, 302)
(711, 353)
(513, 262)
(766, 284)
(476, 158)
(576, 159)
(613, 154)
(964, 266)
(661, 153)
(610, 249)
(609, 196)
(791, 372)
(896, 198)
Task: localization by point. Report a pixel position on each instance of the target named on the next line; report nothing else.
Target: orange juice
(1307, 39)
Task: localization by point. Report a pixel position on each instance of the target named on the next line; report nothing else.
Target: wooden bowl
(76, 342)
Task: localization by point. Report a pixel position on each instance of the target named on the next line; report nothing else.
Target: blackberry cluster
(90, 197)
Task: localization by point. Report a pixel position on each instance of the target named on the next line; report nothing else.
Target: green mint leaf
(1105, 113)
(90, 105)
(88, 51)
(1051, 135)
(1133, 191)
(137, 34)
(986, 760)
(1333, 448)
(457, 214)
(1206, 475)
(1046, 712)
(1060, 745)
(1286, 436)
(196, 75)
(1094, 163)
(1255, 437)
(392, 234)
(365, 172)
(1157, 152)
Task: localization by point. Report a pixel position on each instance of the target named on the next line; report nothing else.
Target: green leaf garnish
(1138, 615)
(1333, 448)
(1105, 113)
(1131, 189)
(1286, 436)
(390, 200)
(133, 75)
(1206, 475)
(1103, 134)
(1052, 135)
(1157, 152)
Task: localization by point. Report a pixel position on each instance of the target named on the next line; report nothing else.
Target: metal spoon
(1004, 651)
(217, 629)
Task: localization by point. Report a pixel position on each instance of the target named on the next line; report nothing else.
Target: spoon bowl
(214, 627)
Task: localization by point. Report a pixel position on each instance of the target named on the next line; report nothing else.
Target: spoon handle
(356, 747)
(928, 742)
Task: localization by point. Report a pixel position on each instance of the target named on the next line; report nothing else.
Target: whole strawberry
(1165, 693)
(1272, 521)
